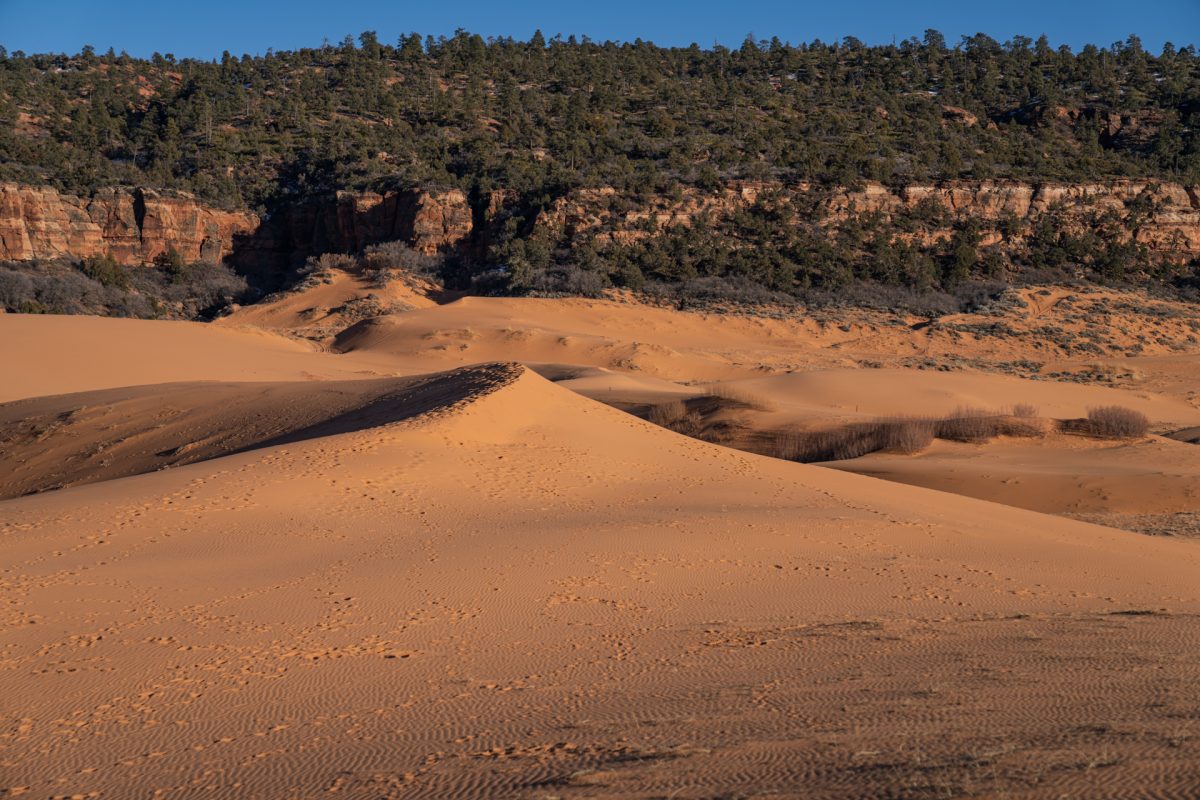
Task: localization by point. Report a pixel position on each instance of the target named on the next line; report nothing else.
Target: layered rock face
(134, 225)
(346, 222)
(1167, 218)
(1163, 216)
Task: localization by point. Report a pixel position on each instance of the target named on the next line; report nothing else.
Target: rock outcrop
(429, 220)
(134, 225)
(1163, 216)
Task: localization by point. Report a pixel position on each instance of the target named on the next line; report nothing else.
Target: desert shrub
(319, 269)
(1117, 422)
(65, 287)
(381, 261)
(968, 425)
(202, 287)
(566, 279)
(1021, 426)
(787, 445)
(979, 425)
(105, 270)
(737, 395)
(68, 292)
(884, 297)
(676, 416)
(897, 435)
(172, 263)
(1024, 411)
(16, 289)
(665, 414)
(902, 435)
(907, 435)
(327, 262)
(709, 291)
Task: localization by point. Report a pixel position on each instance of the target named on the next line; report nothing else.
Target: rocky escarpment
(428, 220)
(136, 225)
(133, 225)
(1165, 217)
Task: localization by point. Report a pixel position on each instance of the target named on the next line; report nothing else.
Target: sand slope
(1058, 475)
(67, 440)
(523, 593)
(45, 355)
(872, 393)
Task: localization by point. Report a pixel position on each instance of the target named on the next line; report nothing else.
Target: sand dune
(333, 303)
(46, 355)
(365, 576)
(858, 393)
(67, 440)
(525, 592)
(1055, 475)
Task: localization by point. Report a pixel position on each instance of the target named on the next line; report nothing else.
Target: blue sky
(205, 28)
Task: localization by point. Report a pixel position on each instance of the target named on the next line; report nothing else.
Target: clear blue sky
(204, 28)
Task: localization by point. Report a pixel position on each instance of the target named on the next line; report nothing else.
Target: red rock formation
(429, 220)
(137, 225)
(133, 225)
(1171, 225)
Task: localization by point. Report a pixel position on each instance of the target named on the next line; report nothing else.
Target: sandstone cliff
(429, 220)
(1163, 216)
(134, 225)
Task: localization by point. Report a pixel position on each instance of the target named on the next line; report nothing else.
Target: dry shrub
(907, 435)
(838, 444)
(968, 425)
(676, 416)
(665, 414)
(787, 445)
(1021, 426)
(327, 262)
(1024, 411)
(898, 435)
(738, 395)
(901, 435)
(1117, 422)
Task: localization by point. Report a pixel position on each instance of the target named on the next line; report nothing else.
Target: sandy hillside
(1091, 335)
(294, 559)
(73, 439)
(46, 355)
(1059, 474)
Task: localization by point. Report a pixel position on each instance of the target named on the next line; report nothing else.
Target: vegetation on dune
(1117, 422)
(906, 435)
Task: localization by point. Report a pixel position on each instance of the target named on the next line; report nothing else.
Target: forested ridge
(542, 118)
(543, 115)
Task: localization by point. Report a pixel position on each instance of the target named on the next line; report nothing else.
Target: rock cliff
(134, 225)
(429, 220)
(1163, 216)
